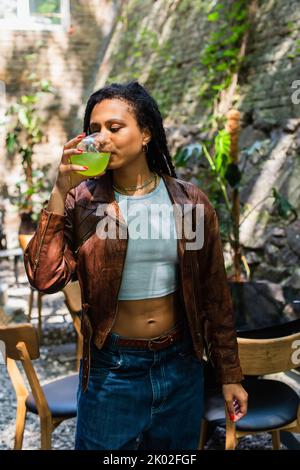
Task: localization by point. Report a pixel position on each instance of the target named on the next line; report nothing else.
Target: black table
(263, 307)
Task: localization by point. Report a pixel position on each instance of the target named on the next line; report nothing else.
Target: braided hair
(147, 115)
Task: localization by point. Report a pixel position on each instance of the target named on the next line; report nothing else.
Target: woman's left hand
(236, 399)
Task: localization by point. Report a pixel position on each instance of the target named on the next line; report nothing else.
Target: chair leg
(276, 439)
(30, 303)
(203, 434)
(20, 424)
(46, 432)
(16, 269)
(231, 439)
(78, 351)
(40, 315)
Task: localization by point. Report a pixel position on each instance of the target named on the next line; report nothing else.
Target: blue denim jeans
(141, 399)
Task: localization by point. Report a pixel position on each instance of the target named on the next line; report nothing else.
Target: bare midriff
(147, 318)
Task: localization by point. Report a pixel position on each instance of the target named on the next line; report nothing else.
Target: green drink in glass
(91, 157)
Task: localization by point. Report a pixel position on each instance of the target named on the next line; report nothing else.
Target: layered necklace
(123, 190)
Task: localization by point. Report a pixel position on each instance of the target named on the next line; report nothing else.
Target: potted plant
(223, 180)
(23, 135)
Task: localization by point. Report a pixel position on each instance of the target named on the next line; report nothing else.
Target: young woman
(151, 304)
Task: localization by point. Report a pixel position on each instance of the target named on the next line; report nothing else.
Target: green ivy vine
(220, 56)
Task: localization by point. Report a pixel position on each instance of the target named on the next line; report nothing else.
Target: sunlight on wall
(252, 231)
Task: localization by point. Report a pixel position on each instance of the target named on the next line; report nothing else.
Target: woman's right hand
(67, 177)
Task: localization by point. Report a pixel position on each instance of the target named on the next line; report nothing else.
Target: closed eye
(97, 129)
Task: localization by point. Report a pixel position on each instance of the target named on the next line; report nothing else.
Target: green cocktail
(95, 161)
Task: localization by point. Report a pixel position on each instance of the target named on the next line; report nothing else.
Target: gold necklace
(155, 185)
(134, 188)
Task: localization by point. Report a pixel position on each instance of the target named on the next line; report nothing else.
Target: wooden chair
(23, 241)
(73, 302)
(273, 405)
(53, 402)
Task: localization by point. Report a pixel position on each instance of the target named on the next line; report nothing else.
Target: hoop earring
(145, 150)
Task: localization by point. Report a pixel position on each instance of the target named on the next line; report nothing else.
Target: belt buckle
(157, 342)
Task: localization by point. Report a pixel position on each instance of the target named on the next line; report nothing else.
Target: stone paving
(58, 360)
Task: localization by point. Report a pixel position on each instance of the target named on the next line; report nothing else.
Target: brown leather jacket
(66, 247)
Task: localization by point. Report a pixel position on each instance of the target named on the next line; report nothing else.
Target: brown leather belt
(153, 344)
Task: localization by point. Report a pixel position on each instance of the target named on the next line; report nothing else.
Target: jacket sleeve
(49, 258)
(220, 329)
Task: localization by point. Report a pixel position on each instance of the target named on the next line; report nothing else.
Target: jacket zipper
(205, 342)
(36, 261)
(192, 269)
(84, 238)
(193, 280)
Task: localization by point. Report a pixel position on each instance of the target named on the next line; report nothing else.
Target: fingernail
(80, 135)
(85, 167)
(231, 417)
(80, 150)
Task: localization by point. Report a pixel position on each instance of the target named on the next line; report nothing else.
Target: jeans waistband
(158, 342)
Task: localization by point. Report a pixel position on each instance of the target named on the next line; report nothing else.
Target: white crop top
(151, 263)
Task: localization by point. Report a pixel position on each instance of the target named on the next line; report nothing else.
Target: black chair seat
(271, 404)
(61, 396)
(268, 332)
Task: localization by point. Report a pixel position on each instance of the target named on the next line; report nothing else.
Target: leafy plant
(221, 56)
(225, 178)
(24, 133)
(30, 199)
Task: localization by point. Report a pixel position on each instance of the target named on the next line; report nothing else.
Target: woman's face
(120, 134)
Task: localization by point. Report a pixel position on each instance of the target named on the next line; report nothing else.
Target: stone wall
(171, 36)
(272, 62)
(161, 42)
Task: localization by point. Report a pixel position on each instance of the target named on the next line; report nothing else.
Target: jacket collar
(104, 192)
(100, 190)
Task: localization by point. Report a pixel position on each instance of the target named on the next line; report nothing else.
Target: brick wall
(273, 61)
(69, 59)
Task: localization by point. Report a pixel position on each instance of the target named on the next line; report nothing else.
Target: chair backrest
(22, 344)
(24, 239)
(11, 335)
(73, 296)
(269, 356)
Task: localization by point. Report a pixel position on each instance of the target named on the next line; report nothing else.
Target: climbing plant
(221, 56)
